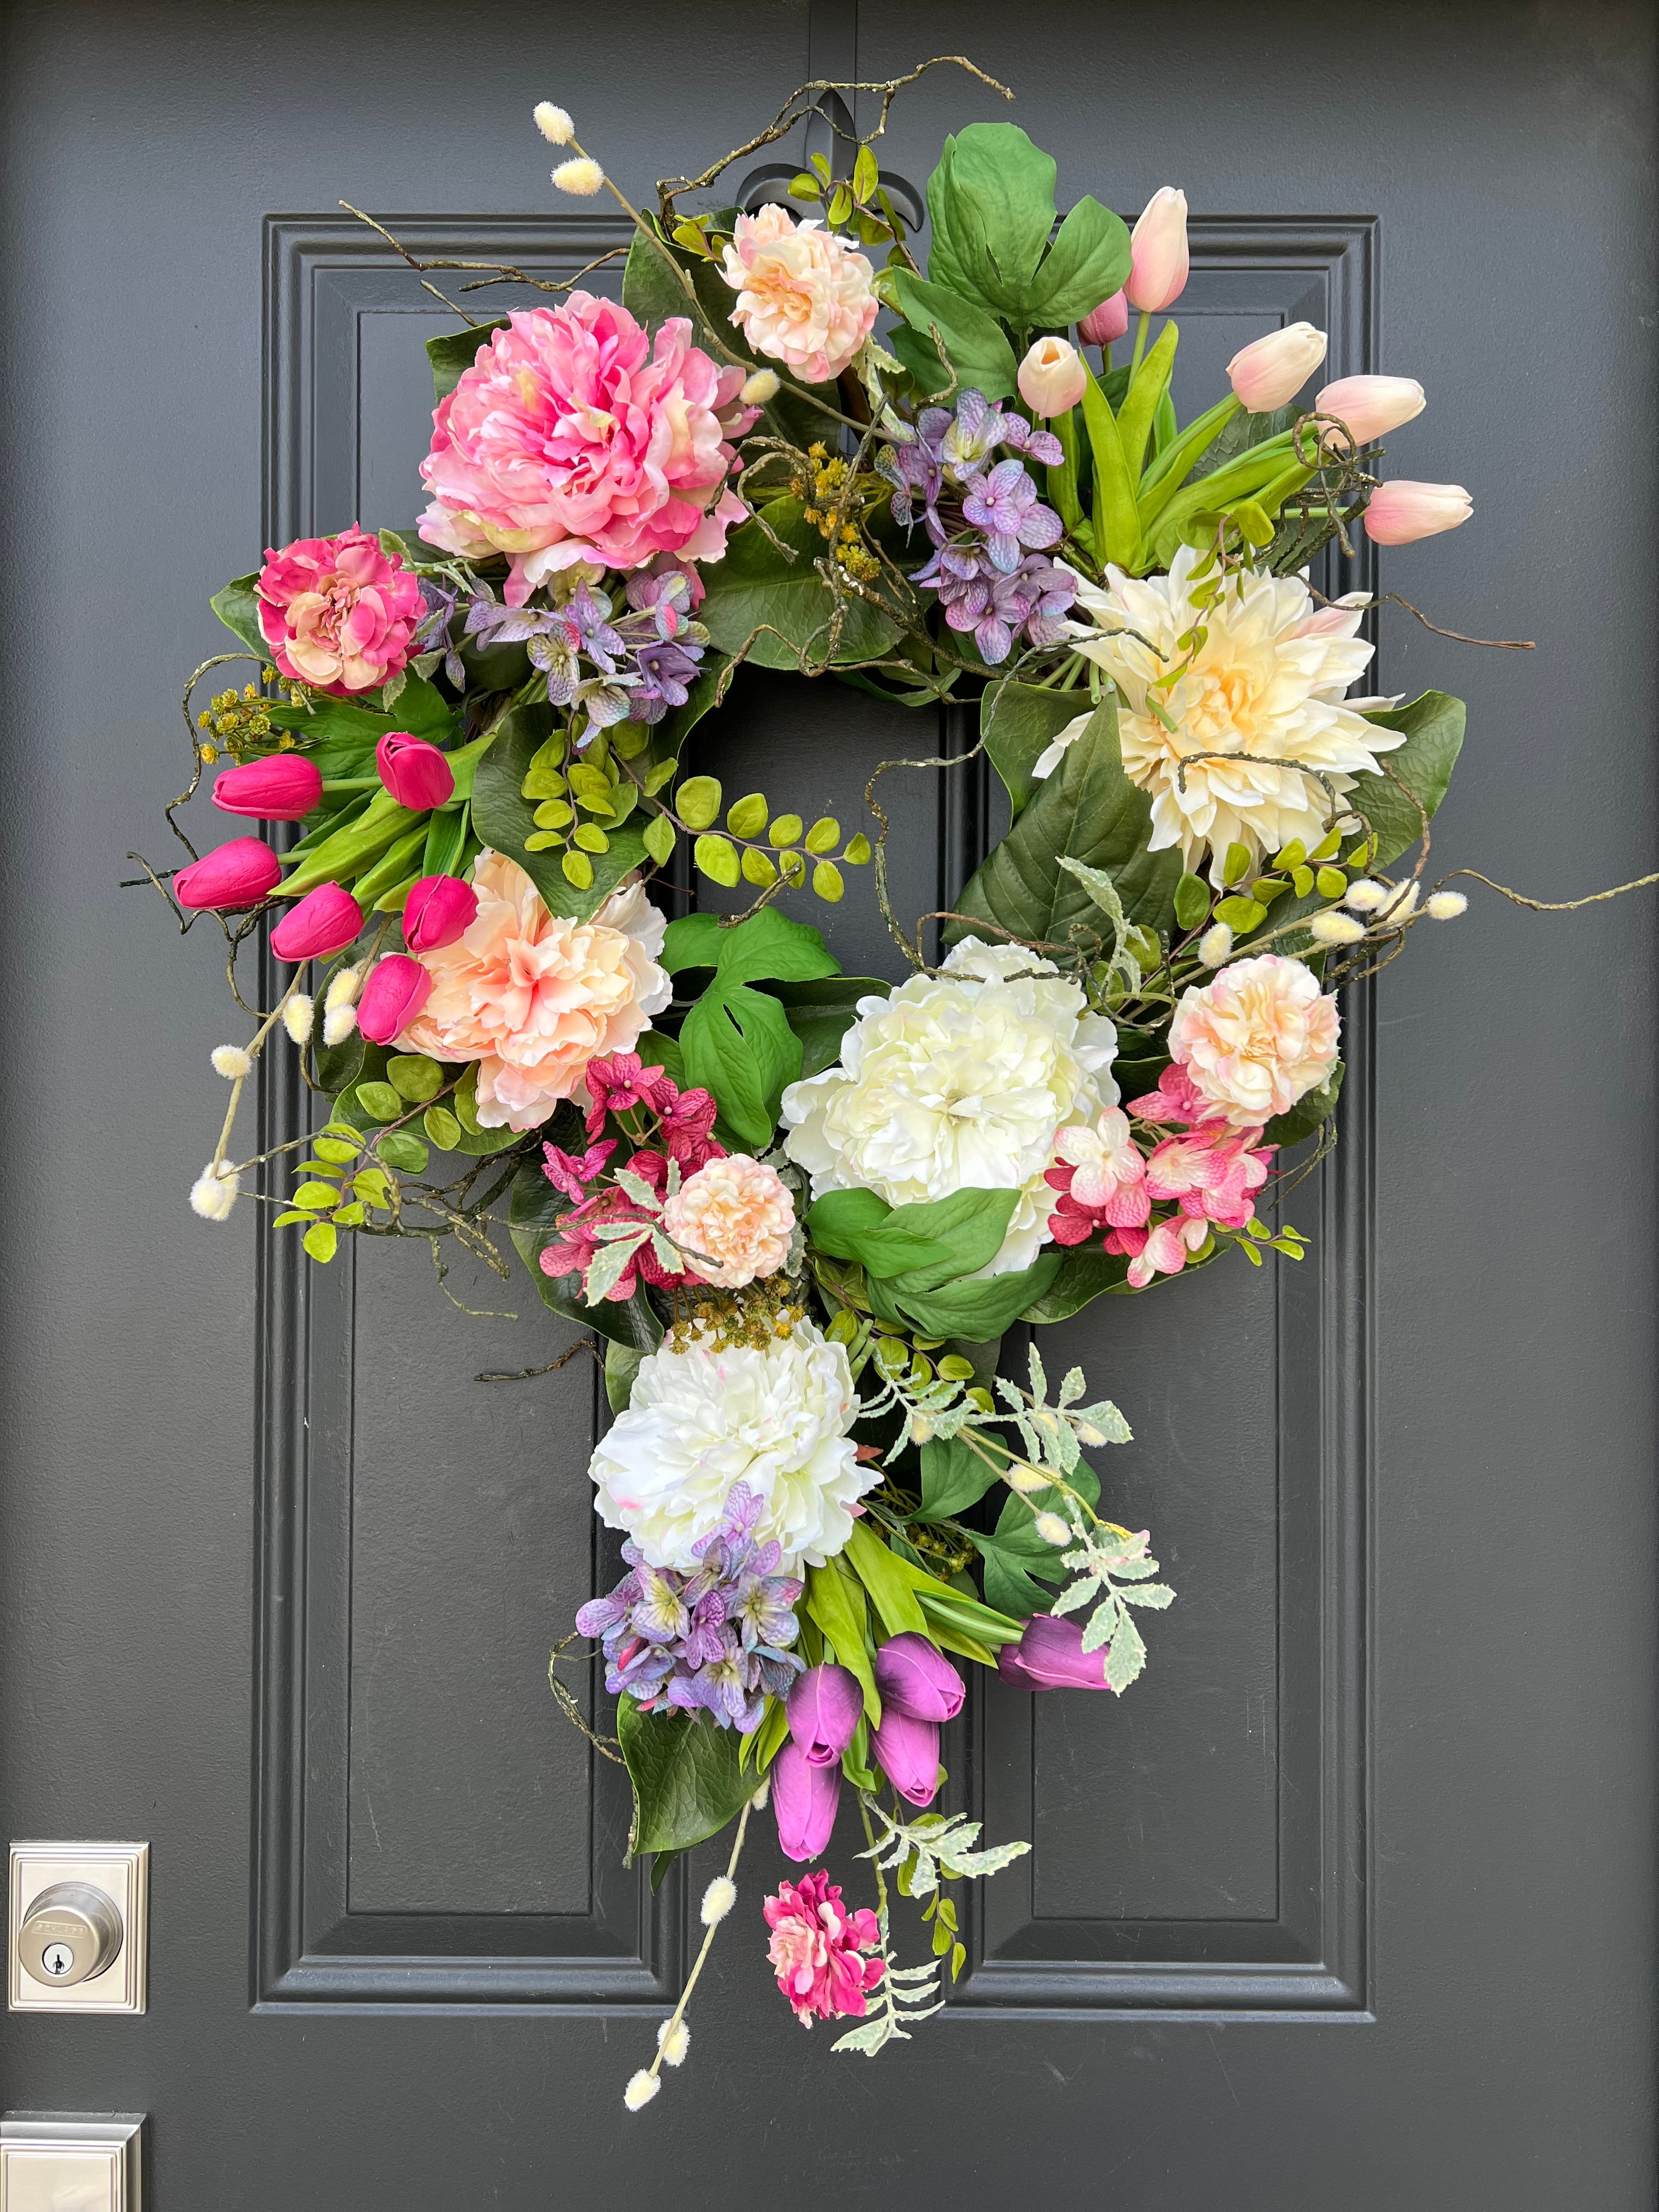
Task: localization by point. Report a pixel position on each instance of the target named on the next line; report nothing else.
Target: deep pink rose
(571, 439)
(338, 613)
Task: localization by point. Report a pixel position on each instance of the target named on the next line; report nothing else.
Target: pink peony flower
(805, 295)
(570, 439)
(1256, 1038)
(737, 1216)
(533, 998)
(816, 1949)
(338, 613)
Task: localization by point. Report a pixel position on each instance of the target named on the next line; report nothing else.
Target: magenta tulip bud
(1052, 377)
(392, 998)
(1371, 406)
(1269, 372)
(280, 789)
(1105, 324)
(1050, 1656)
(907, 1751)
(915, 1677)
(239, 874)
(1157, 252)
(1402, 511)
(325, 920)
(804, 1798)
(823, 1708)
(416, 773)
(438, 910)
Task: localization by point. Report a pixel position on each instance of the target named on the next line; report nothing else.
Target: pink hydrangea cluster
(818, 1949)
(573, 439)
(337, 612)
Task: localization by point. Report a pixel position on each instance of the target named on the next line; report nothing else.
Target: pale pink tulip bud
(1052, 377)
(1371, 406)
(1402, 511)
(1105, 324)
(1269, 372)
(394, 994)
(1158, 250)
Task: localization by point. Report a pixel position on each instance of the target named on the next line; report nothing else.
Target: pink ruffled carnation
(1256, 1038)
(817, 1949)
(572, 439)
(737, 1215)
(337, 612)
(805, 295)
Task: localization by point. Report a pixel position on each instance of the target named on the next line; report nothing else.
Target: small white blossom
(640, 2090)
(760, 388)
(1336, 928)
(1052, 1528)
(1216, 945)
(673, 2041)
(1445, 906)
(296, 1017)
(345, 989)
(555, 126)
(214, 1191)
(338, 1023)
(583, 177)
(232, 1062)
(718, 1899)
(1367, 895)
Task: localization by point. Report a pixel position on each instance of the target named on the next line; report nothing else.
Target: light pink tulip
(1052, 377)
(1371, 406)
(1158, 249)
(1402, 511)
(1105, 324)
(1270, 371)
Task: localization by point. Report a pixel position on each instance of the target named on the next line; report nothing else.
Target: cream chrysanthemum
(958, 1081)
(1265, 685)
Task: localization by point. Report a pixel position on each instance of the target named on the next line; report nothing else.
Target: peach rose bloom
(532, 998)
(737, 1215)
(1256, 1038)
(804, 295)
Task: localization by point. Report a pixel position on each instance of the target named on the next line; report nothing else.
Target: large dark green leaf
(1081, 1277)
(756, 588)
(1087, 811)
(534, 1212)
(1307, 1113)
(974, 344)
(504, 818)
(768, 947)
(1018, 723)
(238, 608)
(454, 353)
(953, 1478)
(915, 1248)
(999, 189)
(688, 1781)
(1087, 263)
(736, 1043)
(1434, 736)
(977, 1310)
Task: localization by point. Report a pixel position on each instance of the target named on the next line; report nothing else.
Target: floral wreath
(798, 1210)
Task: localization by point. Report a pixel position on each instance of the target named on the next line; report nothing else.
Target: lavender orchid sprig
(635, 667)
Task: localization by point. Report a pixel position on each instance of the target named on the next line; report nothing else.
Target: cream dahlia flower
(737, 1216)
(805, 295)
(702, 1417)
(1267, 685)
(958, 1081)
(532, 998)
(1256, 1038)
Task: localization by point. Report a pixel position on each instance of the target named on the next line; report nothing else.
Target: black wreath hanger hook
(831, 131)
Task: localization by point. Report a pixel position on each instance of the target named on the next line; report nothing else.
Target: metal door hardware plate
(50, 2160)
(77, 1928)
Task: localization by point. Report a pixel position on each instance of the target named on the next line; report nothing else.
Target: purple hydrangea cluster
(633, 666)
(989, 529)
(716, 1638)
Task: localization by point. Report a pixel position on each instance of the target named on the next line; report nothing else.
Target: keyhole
(58, 1958)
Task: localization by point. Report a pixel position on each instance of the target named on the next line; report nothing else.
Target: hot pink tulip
(915, 1677)
(824, 1708)
(438, 911)
(1105, 324)
(1158, 247)
(1050, 1656)
(1402, 511)
(1052, 377)
(804, 1798)
(325, 920)
(1371, 406)
(238, 874)
(907, 1751)
(393, 997)
(415, 772)
(281, 788)
(1270, 371)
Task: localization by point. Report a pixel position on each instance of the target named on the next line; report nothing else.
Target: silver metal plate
(121, 1873)
(60, 2162)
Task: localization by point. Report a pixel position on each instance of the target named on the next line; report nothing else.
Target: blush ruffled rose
(572, 438)
(1257, 1037)
(533, 998)
(737, 1215)
(804, 296)
(337, 612)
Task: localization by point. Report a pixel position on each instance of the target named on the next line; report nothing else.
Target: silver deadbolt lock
(72, 1930)
(78, 1922)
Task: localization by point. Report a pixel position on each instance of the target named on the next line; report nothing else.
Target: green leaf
(1192, 902)
(820, 1013)
(454, 353)
(659, 836)
(953, 1478)
(885, 1580)
(1082, 1277)
(974, 344)
(1308, 1112)
(755, 591)
(698, 801)
(923, 1247)
(1018, 723)
(505, 819)
(687, 1775)
(535, 1209)
(746, 817)
(381, 1100)
(1000, 190)
(321, 1240)
(715, 858)
(835, 1601)
(977, 1311)
(238, 608)
(768, 947)
(622, 1364)
(441, 1127)
(1434, 736)
(1088, 261)
(404, 1152)
(415, 1078)
(736, 1043)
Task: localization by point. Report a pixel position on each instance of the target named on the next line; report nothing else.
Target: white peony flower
(1266, 684)
(701, 1419)
(958, 1081)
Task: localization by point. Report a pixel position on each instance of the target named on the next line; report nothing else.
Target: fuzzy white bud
(297, 1017)
(583, 177)
(640, 2090)
(1399, 904)
(345, 988)
(1024, 1479)
(673, 2041)
(718, 1899)
(1445, 905)
(1215, 946)
(232, 1062)
(214, 1191)
(761, 387)
(338, 1023)
(1367, 895)
(1336, 928)
(1052, 1528)
(758, 1802)
(553, 122)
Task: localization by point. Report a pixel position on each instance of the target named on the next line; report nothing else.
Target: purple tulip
(238, 874)
(915, 1677)
(805, 1797)
(325, 920)
(823, 1708)
(1050, 1656)
(282, 788)
(906, 1752)
(392, 998)
(416, 773)
(438, 910)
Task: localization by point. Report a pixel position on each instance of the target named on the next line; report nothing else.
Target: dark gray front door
(1349, 1906)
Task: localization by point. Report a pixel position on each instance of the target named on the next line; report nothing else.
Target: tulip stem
(1141, 329)
(881, 1878)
